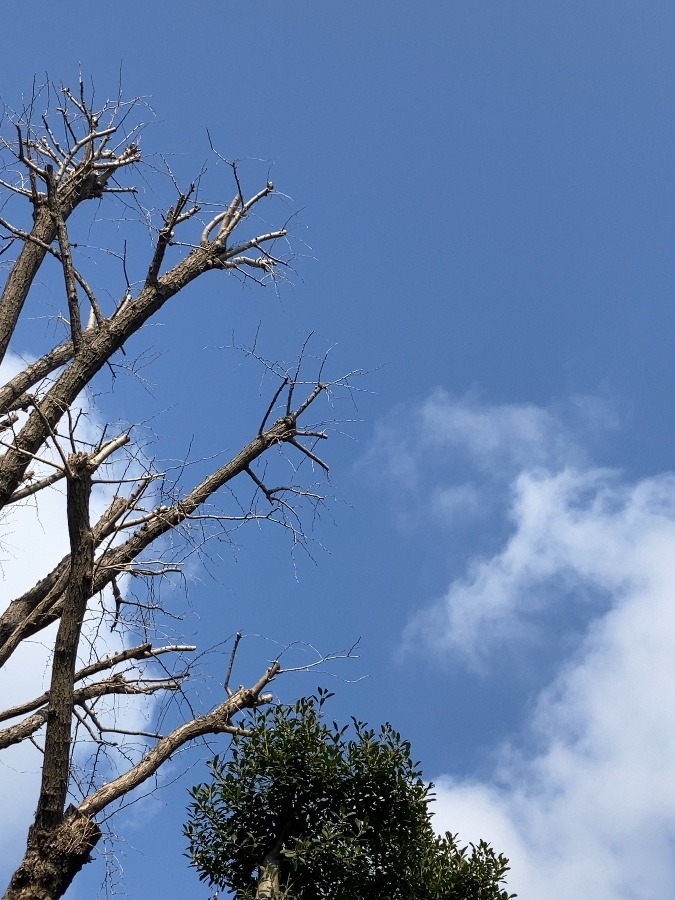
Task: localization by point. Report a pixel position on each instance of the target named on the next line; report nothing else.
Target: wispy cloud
(583, 799)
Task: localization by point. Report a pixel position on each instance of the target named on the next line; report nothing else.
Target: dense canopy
(303, 809)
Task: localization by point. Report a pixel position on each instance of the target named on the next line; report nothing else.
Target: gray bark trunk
(53, 858)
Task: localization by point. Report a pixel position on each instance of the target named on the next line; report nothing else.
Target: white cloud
(572, 531)
(494, 436)
(458, 502)
(583, 800)
(498, 440)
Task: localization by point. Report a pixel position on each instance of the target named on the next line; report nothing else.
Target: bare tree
(54, 161)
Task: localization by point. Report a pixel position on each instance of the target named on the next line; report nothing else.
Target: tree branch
(215, 722)
(44, 603)
(118, 685)
(142, 652)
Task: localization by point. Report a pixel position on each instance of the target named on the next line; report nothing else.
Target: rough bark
(53, 858)
(59, 843)
(56, 767)
(22, 275)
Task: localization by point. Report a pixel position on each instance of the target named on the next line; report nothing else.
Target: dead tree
(54, 162)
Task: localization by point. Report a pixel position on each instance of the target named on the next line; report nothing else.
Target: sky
(483, 225)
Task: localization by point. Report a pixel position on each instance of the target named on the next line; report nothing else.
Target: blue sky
(485, 226)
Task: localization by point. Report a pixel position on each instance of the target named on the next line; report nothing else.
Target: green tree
(302, 809)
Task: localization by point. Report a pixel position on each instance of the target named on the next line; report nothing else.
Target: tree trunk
(56, 767)
(268, 879)
(53, 858)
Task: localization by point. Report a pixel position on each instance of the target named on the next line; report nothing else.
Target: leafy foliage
(340, 812)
